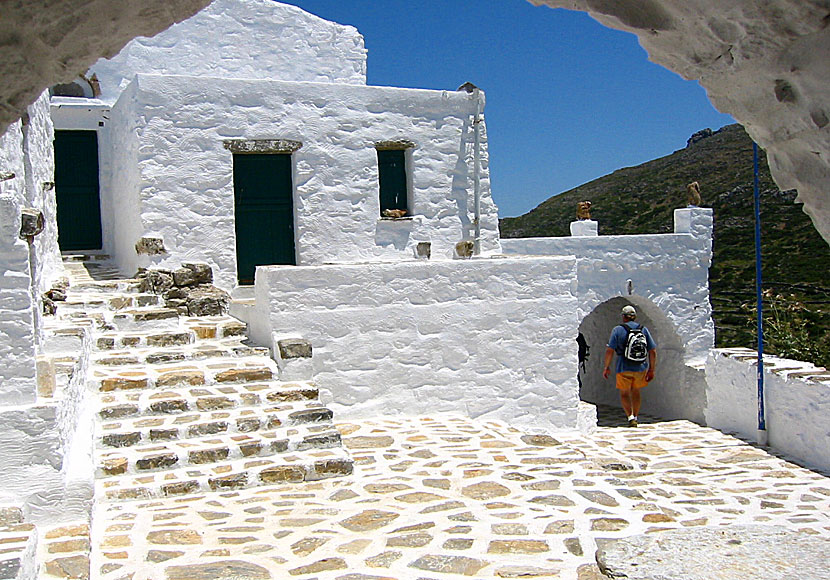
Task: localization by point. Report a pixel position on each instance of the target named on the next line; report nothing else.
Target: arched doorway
(666, 396)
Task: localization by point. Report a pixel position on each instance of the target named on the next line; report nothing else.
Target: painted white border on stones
(483, 337)
(173, 129)
(797, 403)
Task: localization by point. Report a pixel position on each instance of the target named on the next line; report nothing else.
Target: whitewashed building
(246, 135)
(246, 138)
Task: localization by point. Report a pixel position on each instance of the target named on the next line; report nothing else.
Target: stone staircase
(184, 405)
(18, 544)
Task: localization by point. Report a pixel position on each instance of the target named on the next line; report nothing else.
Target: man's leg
(626, 398)
(635, 402)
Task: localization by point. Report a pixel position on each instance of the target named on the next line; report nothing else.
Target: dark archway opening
(663, 397)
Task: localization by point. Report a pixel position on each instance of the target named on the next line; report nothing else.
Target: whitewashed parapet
(17, 311)
(585, 228)
(669, 270)
(797, 402)
(121, 221)
(483, 337)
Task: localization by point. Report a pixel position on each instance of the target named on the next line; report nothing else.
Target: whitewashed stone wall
(666, 277)
(184, 184)
(118, 146)
(17, 312)
(39, 161)
(797, 402)
(36, 434)
(242, 39)
(483, 337)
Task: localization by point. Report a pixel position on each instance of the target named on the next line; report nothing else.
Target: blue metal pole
(762, 421)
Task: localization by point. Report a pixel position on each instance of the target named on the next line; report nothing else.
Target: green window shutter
(392, 175)
(264, 212)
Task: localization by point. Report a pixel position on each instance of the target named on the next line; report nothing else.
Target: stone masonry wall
(797, 402)
(483, 337)
(185, 184)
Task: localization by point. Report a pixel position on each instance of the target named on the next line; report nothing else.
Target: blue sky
(568, 100)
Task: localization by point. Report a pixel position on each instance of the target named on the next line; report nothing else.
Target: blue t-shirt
(617, 342)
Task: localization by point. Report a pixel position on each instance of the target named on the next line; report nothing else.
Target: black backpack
(635, 349)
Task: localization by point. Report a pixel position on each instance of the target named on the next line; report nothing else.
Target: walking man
(636, 361)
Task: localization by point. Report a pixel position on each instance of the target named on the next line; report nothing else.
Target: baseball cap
(629, 311)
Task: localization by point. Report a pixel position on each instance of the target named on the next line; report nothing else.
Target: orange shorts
(628, 379)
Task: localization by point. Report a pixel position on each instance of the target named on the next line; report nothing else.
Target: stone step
(18, 548)
(191, 351)
(96, 320)
(158, 317)
(143, 319)
(108, 301)
(121, 405)
(228, 476)
(82, 256)
(189, 331)
(128, 285)
(193, 373)
(151, 430)
(212, 449)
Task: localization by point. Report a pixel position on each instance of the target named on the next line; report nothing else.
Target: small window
(393, 183)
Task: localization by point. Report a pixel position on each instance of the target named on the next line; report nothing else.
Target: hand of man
(606, 372)
(649, 375)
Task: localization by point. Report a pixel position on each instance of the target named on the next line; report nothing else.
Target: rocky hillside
(796, 259)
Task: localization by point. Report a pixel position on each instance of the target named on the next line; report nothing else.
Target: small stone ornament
(31, 223)
(583, 210)
(464, 249)
(693, 194)
(394, 213)
(150, 246)
(423, 250)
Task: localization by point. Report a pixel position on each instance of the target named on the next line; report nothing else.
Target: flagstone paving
(200, 461)
(450, 497)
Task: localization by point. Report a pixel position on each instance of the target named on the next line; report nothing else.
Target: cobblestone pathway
(448, 497)
(429, 498)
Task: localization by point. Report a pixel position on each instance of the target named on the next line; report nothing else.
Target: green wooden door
(76, 190)
(264, 208)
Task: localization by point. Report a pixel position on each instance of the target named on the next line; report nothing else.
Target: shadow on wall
(664, 396)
